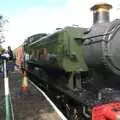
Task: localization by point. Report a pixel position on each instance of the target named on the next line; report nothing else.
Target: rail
(51, 103)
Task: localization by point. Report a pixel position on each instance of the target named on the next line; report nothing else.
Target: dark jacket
(11, 54)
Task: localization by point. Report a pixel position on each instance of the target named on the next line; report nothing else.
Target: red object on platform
(109, 111)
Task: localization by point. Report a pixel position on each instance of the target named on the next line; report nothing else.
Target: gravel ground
(26, 106)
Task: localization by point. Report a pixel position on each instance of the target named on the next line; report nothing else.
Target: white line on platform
(52, 104)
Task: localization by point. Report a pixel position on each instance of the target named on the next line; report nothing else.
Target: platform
(26, 106)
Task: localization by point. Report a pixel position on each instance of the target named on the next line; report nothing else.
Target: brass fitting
(102, 7)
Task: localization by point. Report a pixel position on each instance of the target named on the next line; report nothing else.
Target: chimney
(101, 12)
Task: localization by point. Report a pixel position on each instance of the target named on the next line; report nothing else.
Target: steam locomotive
(80, 67)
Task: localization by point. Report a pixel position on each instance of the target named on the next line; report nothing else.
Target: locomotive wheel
(75, 114)
(71, 110)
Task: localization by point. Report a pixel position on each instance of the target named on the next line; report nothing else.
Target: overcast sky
(28, 17)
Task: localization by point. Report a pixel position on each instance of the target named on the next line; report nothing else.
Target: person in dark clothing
(10, 53)
(11, 60)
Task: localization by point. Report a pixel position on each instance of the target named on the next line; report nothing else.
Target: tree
(3, 29)
(3, 23)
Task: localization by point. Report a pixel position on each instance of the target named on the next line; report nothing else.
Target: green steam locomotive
(80, 66)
